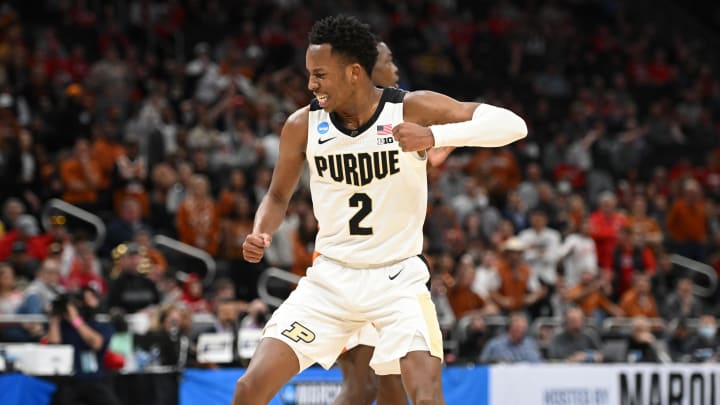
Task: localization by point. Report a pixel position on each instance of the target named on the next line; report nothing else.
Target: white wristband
(490, 126)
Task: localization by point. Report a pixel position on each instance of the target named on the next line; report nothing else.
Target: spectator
(236, 188)
(194, 295)
(472, 337)
(155, 264)
(643, 225)
(678, 343)
(541, 247)
(642, 346)
(579, 254)
(438, 295)
(682, 303)
(131, 290)
(590, 294)
(516, 211)
(514, 346)
(81, 176)
(226, 317)
(73, 323)
(704, 346)
(10, 296)
(129, 177)
(528, 188)
(197, 220)
(605, 223)
(166, 339)
(518, 289)
(12, 209)
(124, 228)
(26, 233)
(687, 221)
(638, 301)
(463, 300)
(573, 344)
(43, 290)
(85, 270)
(630, 258)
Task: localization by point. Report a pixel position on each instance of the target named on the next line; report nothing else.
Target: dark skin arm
(425, 108)
(286, 175)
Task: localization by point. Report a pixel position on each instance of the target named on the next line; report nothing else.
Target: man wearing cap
(131, 290)
(518, 289)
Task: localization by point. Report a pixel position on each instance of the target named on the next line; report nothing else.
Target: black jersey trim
(314, 105)
(389, 95)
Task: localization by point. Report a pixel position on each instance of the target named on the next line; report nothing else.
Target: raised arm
(272, 209)
(436, 120)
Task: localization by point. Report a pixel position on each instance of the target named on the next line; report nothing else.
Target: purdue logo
(360, 169)
(297, 332)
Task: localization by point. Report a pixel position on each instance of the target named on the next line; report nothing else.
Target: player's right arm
(272, 209)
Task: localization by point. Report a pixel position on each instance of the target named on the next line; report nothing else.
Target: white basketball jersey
(369, 197)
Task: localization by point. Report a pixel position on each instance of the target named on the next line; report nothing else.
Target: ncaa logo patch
(323, 127)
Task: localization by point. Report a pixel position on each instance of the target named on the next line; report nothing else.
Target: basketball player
(366, 150)
(360, 384)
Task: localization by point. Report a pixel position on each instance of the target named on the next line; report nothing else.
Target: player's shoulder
(420, 105)
(298, 120)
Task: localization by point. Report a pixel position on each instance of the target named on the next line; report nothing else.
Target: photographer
(72, 322)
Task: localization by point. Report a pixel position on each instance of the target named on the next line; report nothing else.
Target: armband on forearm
(490, 126)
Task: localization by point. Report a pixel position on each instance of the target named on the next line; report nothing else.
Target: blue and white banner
(315, 386)
(564, 384)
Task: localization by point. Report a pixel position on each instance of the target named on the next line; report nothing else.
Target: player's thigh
(390, 390)
(273, 364)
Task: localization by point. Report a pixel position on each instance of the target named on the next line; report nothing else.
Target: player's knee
(361, 391)
(246, 393)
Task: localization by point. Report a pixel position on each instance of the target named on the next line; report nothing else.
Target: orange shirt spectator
(80, 175)
(197, 219)
(515, 291)
(106, 153)
(462, 298)
(498, 165)
(236, 227)
(687, 219)
(588, 294)
(638, 301)
(642, 225)
(228, 196)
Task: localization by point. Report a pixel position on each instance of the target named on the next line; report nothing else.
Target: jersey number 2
(365, 203)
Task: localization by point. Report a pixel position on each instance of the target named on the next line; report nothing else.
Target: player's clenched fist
(254, 246)
(413, 137)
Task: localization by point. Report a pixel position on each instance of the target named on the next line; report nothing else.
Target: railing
(185, 249)
(269, 273)
(69, 209)
(700, 268)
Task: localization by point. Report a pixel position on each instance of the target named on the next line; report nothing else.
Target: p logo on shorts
(297, 332)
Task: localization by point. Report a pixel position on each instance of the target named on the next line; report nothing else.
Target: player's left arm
(436, 120)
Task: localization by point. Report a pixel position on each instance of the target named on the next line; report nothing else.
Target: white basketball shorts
(334, 302)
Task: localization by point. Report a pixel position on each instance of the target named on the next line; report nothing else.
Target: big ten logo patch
(297, 332)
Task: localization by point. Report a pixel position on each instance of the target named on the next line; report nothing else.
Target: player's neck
(361, 109)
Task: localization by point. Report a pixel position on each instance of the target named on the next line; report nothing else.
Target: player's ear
(355, 69)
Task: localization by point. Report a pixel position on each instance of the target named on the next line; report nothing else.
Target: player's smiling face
(328, 76)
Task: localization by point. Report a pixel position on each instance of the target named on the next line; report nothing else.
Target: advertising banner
(563, 384)
(315, 386)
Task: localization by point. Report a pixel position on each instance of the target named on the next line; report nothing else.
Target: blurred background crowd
(163, 118)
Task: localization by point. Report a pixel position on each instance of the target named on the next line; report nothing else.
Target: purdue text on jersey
(358, 169)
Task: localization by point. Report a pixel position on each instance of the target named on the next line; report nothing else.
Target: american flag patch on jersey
(384, 129)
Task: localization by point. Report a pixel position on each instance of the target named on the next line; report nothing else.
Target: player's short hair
(348, 37)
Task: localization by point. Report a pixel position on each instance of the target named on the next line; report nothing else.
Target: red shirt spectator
(604, 226)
